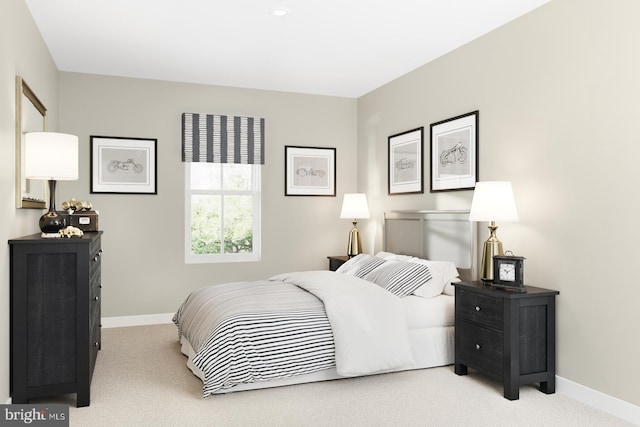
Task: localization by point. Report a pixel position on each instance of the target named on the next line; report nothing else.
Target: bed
(379, 313)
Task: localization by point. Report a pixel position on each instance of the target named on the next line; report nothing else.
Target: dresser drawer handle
(95, 258)
(477, 308)
(478, 347)
(95, 298)
(95, 344)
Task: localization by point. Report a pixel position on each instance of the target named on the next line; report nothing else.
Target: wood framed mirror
(31, 116)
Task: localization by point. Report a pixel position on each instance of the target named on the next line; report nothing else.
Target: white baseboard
(147, 319)
(612, 405)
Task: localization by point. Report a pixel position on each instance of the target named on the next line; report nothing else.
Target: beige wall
(558, 93)
(143, 268)
(22, 52)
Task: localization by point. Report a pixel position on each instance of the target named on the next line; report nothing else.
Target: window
(222, 212)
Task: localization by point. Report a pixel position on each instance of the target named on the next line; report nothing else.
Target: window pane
(238, 224)
(206, 220)
(205, 176)
(236, 177)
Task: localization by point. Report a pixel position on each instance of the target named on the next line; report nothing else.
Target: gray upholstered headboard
(434, 235)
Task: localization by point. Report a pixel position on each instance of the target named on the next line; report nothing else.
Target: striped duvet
(257, 331)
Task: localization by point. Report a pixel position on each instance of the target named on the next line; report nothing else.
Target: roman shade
(216, 138)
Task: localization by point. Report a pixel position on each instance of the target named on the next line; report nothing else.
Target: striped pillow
(368, 266)
(400, 277)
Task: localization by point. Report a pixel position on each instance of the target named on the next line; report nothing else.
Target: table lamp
(492, 201)
(54, 157)
(354, 205)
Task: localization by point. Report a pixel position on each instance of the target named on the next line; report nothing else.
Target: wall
(23, 53)
(557, 92)
(143, 266)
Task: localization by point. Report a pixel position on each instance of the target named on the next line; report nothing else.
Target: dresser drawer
(479, 308)
(480, 348)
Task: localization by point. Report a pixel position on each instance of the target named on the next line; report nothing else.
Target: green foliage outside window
(206, 218)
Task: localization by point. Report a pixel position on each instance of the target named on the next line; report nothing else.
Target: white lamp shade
(354, 205)
(51, 156)
(493, 201)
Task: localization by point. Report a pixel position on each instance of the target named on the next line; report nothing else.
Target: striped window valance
(215, 138)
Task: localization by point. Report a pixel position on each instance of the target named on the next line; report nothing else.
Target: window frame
(255, 192)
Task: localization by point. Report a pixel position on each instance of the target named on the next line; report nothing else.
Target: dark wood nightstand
(336, 261)
(509, 336)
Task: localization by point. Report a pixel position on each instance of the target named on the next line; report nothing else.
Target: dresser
(507, 335)
(55, 315)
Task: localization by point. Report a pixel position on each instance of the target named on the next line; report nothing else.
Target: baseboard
(612, 405)
(147, 319)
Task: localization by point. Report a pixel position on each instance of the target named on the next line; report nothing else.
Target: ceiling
(328, 47)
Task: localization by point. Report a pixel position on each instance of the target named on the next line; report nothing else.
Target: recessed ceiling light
(280, 12)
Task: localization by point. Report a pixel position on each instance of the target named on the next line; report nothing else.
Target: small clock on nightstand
(508, 272)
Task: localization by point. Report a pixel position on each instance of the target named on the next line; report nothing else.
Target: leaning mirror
(31, 116)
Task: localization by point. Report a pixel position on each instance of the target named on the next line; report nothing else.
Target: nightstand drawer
(478, 308)
(481, 348)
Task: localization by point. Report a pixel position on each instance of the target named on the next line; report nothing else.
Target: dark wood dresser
(509, 336)
(55, 315)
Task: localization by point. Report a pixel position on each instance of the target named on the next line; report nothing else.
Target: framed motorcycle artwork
(122, 165)
(454, 153)
(405, 173)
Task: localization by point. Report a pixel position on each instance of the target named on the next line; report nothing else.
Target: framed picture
(123, 165)
(454, 153)
(309, 171)
(406, 174)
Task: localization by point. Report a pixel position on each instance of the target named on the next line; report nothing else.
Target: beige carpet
(141, 379)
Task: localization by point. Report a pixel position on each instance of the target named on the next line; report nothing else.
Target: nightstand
(506, 335)
(336, 261)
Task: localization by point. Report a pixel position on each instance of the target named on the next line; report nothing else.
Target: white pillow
(401, 278)
(449, 289)
(442, 272)
(393, 257)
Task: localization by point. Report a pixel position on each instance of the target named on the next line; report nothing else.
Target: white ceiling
(329, 47)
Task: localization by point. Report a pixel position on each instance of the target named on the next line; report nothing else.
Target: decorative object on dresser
(53, 157)
(354, 205)
(454, 153)
(508, 336)
(55, 315)
(509, 272)
(405, 170)
(492, 201)
(336, 261)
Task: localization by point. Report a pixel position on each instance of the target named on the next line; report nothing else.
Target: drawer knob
(95, 258)
(95, 298)
(95, 344)
(477, 346)
(477, 308)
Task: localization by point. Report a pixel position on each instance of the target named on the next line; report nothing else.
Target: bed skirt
(431, 347)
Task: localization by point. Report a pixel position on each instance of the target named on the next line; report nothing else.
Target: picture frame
(454, 153)
(121, 165)
(309, 171)
(405, 157)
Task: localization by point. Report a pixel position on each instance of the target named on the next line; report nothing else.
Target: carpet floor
(141, 379)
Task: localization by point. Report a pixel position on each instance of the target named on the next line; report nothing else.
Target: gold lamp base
(354, 247)
(492, 246)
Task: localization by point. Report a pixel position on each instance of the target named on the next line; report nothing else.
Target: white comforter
(368, 322)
